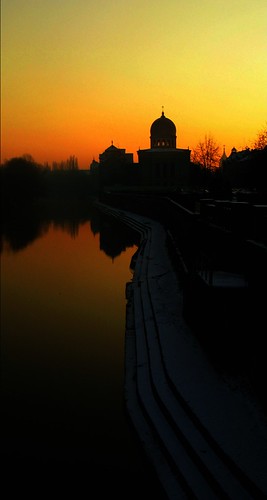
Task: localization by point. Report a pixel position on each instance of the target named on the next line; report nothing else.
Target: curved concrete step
(157, 397)
(189, 463)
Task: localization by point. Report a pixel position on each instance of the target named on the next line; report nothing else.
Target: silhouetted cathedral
(163, 163)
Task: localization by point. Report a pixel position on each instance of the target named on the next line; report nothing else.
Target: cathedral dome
(163, 133)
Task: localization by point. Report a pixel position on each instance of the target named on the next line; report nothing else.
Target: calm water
(63, 324)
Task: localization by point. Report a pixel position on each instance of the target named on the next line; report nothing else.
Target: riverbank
(203, 431)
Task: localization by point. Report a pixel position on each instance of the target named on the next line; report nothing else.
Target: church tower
(163, 164)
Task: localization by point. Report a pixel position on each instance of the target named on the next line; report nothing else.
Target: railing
(224, 232)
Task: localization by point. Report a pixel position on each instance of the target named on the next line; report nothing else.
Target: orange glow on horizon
(77, 75)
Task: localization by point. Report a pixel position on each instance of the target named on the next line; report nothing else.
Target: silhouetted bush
(21, 180)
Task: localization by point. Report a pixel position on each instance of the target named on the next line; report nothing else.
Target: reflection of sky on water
(63, 326)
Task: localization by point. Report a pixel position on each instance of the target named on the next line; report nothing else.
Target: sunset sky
(78, 74)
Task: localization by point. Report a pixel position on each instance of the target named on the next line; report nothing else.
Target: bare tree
(207, 153)
(70, 164)
(261, 139)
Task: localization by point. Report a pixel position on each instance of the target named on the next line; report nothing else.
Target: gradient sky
(78, 74)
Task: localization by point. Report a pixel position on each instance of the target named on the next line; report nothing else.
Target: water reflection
(62, 355)
(21, 228)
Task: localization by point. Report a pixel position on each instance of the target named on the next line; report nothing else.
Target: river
(65, 429)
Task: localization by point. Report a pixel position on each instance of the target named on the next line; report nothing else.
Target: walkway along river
(205, 436)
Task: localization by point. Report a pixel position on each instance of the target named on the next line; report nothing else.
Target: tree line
(23, 180)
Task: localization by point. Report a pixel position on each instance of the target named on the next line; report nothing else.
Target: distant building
(246, 168)
(94, 167)
(113, 155)
(223, 158)
(115, 166)
(163, 164)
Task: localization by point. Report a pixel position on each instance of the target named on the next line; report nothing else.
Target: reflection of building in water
(114, 237)
(110, 244)
(162, 164)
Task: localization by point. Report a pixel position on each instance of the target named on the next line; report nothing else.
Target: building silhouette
(115, 156)
(115, 166)
(164, 163)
